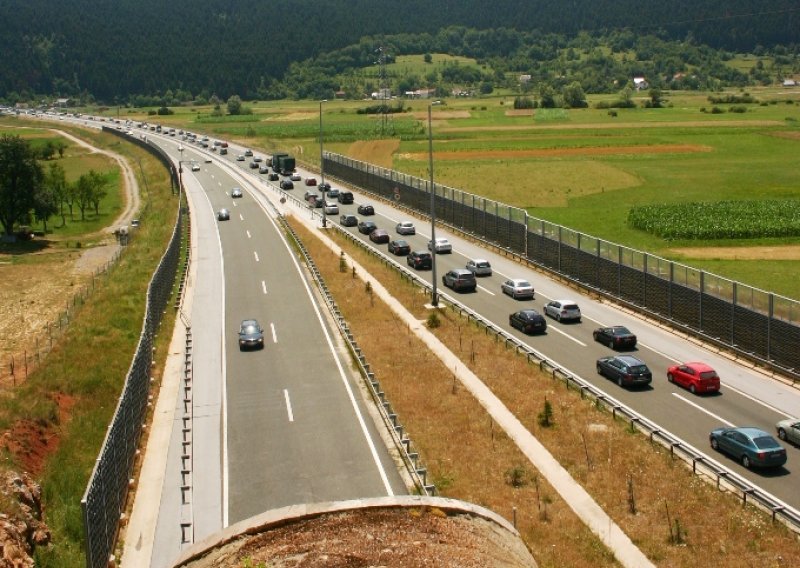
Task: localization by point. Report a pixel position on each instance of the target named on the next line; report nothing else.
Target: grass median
(672, 515)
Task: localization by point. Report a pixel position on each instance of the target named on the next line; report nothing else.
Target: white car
(441, 246)
(295, 177)
(563, 310)
(195, 167)
(479, 267)
(331, 209)
(405, 228)
(517, 288)
(789, 430)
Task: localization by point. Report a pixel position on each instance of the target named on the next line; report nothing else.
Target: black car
(460, 280)
(420, 259)
(273, 177)
(253, 165)
(625, 370)
(366, 210)
(348, 220)
(528, 321)
(615, 337)
(251, 335)
(366, 227)
(325, 186)
(399, 247)
(263, 169)
(287, 184)
(345, 197)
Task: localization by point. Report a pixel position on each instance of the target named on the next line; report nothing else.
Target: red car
(379, 236)
(311, 181)
(697, 377)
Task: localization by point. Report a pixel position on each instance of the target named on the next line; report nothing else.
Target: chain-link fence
(760, 325)
(104, 499)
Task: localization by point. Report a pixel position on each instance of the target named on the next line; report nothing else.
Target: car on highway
(223, 215)
(240, 158)
(295, 177)
(348, 220)
(236, 192)
(751, 446)
(366, 227)
(318, 203)
(248, 152)
(325, 186)
(273, 177)
(517, 288)
(287, 184)
(345, 197)
(310, 181)
(479, 267)
(615, 337)
(405, 228)
(263, 169)
(460, 280)
(258, 159)
(365, 209)
(311, 194)
(697, 377)
(563, 310)
(253, 165)
(195, 167)
(379, 236)
(399, 247)
(251, 335)
(789, 430)
(331, 209)
(420, 259)
(625, 370)
(441, 246)
(528, 321)
(333, 193)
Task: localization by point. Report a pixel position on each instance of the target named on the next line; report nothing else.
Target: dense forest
(113, 49)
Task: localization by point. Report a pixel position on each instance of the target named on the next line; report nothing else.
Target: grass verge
(673, 516)
(71, 396)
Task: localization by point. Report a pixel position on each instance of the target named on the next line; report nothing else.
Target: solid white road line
(565, 334)
(255, 254)
(274, 335)
(486, 290)
(288, 405)
(701, 409)
(241, 217)
(263, 286)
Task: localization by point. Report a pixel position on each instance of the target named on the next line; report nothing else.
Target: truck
(283, 163)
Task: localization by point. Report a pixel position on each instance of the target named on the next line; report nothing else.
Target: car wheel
(619, 381)
(611, 344)
(746, 462)
(599, 370)
(558, 317)
(714, 444)
(692, 389)
(670, 378)
(782, 434)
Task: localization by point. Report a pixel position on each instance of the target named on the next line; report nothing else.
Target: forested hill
(114, 48)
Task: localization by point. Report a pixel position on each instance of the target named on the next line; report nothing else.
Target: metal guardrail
(700, 464)
(411, 458)
(103, 502)
(754, 324)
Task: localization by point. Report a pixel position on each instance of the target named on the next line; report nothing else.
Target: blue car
(752, 446)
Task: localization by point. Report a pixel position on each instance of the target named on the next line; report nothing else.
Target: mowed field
(582, 168)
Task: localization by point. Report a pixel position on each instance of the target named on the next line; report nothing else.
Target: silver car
(562, 310)
(405, 228)
(517, 288)
(441, 246)
(789, 430)
(331, 209)
(479, 267)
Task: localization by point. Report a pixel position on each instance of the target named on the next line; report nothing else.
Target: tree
(234, 105)
(89, 190)
(428, 58)
(547, 96)
(574, 96)
(51, 195)
(99, 191)
(20, 179)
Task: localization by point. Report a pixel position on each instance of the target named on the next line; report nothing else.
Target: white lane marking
(701, 409)
(264, 286)
(256, 255)
(565, 334)
(486, 290)
(274, 334)
(342, 375)
(761, 402)
(288, 405)
(241, 217)
(248, 234)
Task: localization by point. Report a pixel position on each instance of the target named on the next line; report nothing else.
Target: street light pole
(434, 293)
(322, 168)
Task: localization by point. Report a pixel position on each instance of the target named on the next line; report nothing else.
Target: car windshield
(620, 331)
(249, 329)
(766, 443)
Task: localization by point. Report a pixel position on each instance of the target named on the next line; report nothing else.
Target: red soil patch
(560, 152)
(30, 442)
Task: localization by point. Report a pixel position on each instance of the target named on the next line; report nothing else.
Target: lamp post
(434, 293)
(322, 168)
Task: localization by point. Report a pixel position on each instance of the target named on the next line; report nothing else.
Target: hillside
(115, 48)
